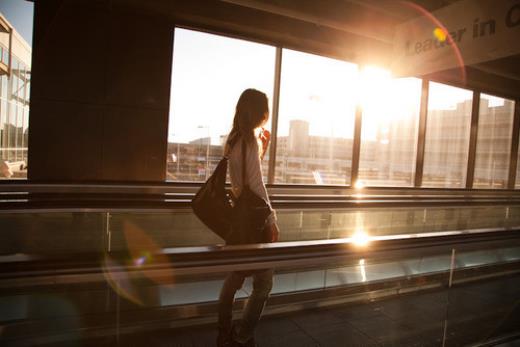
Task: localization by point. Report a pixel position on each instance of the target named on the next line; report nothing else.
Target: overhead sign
(464, 33)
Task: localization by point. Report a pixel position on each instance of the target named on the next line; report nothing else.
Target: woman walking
(252, 112)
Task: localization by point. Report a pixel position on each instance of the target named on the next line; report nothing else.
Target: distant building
(15, 78)
(447, 145)
(494, 145)
(302, 158)
(389, 159)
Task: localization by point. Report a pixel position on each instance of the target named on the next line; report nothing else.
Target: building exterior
(15, 79)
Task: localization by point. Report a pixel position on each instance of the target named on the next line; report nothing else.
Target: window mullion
(274, 117)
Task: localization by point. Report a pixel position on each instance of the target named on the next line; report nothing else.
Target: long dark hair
(252, 111)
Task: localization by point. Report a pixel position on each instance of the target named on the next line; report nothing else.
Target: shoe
(224, 339)
(250, 343)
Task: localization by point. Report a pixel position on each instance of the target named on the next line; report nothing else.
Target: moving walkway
(105, 263)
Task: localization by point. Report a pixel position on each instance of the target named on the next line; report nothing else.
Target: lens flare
(440, 31)
(140, 261)
(117, 277)
(440, 34)
(359, 184)
(361, 238)
(125, 276)
(141, 247)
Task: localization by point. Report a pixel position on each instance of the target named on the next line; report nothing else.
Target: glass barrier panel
(44, 233)
(73, 232)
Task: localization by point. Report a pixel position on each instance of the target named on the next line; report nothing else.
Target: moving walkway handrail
(106, 202)
(189, 188)
(216, 259)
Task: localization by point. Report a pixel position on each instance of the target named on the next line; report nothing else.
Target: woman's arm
(254, 176)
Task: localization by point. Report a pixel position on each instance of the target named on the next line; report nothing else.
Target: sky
(20, 14)
(209, 72)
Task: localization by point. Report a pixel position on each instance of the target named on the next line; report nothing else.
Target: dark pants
(262, 284)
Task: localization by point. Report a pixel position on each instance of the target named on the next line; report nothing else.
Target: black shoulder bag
(250, 212)
(240, 222)
(212, 202)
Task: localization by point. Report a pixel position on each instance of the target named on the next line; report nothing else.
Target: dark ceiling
(377, 20)
(360, 31)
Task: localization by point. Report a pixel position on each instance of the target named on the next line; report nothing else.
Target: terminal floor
(464, 315)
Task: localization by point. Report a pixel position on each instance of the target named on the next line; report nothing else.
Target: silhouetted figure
(252, 112)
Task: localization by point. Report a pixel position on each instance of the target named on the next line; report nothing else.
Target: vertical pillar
(356, 146)
(274, 117)
(513, 161)
(421, 141)
(473, 139)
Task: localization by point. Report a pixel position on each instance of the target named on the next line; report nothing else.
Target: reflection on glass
(495, 127)
(209, 73)
(316, 119)
(179, 229)
(447, 136)
(51, 233)
(389, 128)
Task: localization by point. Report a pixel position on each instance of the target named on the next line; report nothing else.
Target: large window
(389, 128)
(15, 79)
(495, 128)
(447, 136)
(318, 100)
(209, 74)
(316, 119)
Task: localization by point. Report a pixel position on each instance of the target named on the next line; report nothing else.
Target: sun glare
(359, 184)
(374, 86)
(361, 238)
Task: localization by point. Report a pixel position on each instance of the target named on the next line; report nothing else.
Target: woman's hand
(272, 232)
(265, 136)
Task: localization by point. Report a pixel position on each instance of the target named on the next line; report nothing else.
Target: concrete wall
(100, 93)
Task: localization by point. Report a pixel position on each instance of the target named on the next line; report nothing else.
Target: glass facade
(447, 136)
(495, 131)
(14, 120)
(209, 74)
(15, 77)
(318, 99)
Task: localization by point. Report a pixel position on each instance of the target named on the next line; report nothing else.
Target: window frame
(421, 133)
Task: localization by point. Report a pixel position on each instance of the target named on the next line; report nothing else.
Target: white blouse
(253, 173)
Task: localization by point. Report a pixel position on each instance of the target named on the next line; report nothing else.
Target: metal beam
(472, 151)
(513, 161)
(421, 141)
(274, 118)
(356, 146)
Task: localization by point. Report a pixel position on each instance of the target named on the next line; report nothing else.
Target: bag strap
(244, 147)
